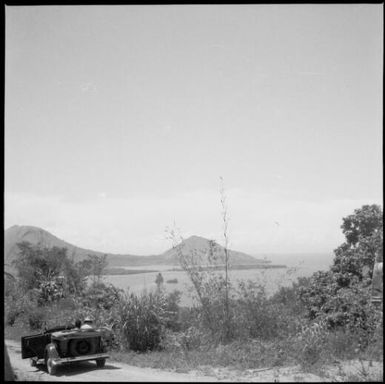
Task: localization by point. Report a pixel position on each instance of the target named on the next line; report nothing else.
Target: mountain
(203, 245)
(41, 237)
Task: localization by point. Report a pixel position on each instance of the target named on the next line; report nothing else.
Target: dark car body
(61, 345)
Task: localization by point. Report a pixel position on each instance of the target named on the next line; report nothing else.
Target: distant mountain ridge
(41, 237)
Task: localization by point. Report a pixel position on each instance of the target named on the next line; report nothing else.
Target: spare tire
(81, 347)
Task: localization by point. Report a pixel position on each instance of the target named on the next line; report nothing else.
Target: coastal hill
(41, 237)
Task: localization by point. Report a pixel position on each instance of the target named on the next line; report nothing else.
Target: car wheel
(82, 347)
(100, 363)
(51, 368)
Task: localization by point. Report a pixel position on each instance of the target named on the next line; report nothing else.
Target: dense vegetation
(320, 318)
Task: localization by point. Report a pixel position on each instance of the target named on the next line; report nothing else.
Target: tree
(159, 280)
(76, 280)
(355, 258)
(37, 264)
(342, 294)
(47, 271)
(94, 266)
(364, 223)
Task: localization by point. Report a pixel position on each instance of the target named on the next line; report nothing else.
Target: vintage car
(62, 345)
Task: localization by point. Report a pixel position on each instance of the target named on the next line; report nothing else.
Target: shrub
(143, 320)
(36, 318)
(340, 344)
(195, 338)
(11, 315)
(172, 281)
(375, 349)
(171, 341)
(256, 316)
(311, 341)
(101, 296)
(20, 305)
(173, 311)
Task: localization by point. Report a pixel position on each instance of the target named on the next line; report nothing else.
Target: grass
(311, 353)
(369, 378)
(236, 355)
(16, 332)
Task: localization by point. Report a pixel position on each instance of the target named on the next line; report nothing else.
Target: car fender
(51, 351)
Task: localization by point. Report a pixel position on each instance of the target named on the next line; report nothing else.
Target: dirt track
(87, 371)
(114, 371)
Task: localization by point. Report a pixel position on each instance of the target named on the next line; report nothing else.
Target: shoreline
(113, 271)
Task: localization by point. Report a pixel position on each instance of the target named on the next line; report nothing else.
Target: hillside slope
(39, 236)
(203, 245)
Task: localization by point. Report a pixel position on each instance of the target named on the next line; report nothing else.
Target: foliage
(173, 310)
(317, 314)
(36, 265)
(49, 271)
(36, 318)
(341, 296)
(257, 316)
(317, 319)
(227, 319)
(311, 341)
(46, 278)
(364, 239)
(363, 224)
(144, 318)
(210, 287)
(289, 297)
(18, 304)
(93, 266)
(321, 287)
(100, 296)
(11, 312)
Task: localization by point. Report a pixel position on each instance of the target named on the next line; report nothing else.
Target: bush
(143, 320)
(173, 311)
(195, 338)
(188, 340)
(172, 281)
(101, 296)
(18, 305)
(375, 349)
(256, 316)
(36, 318)
(11, 315)
(311, 343)
(340, 344)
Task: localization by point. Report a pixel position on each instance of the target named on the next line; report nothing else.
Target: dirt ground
(114, 371)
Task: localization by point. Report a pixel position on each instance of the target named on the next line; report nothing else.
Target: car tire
(51, 368)
(100, 363)
(82, 347)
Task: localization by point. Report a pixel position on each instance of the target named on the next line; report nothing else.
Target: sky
(120, 121)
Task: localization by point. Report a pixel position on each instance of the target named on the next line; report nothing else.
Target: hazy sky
(119, 120)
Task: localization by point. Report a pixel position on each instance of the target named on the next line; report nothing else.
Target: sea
(297, 265)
